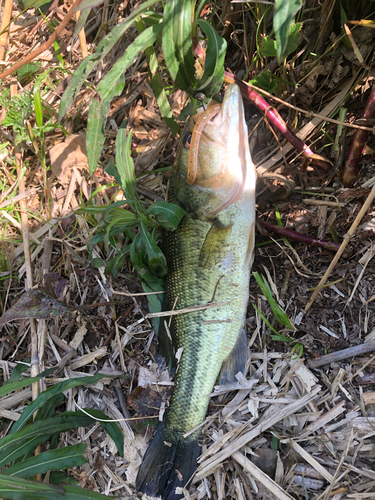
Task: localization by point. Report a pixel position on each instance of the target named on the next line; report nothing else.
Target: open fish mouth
(218, 149)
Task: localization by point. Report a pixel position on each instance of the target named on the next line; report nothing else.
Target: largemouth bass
(209, 259)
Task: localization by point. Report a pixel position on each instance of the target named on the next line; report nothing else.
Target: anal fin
(235, 362)
(166, 352)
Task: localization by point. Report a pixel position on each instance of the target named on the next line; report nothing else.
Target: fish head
(213, 159)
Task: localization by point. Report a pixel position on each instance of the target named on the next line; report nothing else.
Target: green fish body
(209, 260)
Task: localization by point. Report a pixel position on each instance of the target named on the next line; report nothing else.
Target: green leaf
(213, 75)
(151, 18)
(265, 320)
(266, 81)
(293, 39)
(281, 338)
(124, 163)
(166, 214)
(176, 41)
(89, 4)
(97, 263)
(156, 259)
(298, 347)
(80, 24)
(268, 47)
(190, 109)
(343, 19)
(38, 98)
(22, 489)
(58, 477)
(112, 170)
(155, 302)
(49, 408)
(116, 263)
(284, 13)
(158, 85)
(18, 488)
(17, 372)
(50, 393)
(26, 4)
(108, 87)
(38, 106)
(95, 137)
(280, 315)
(76, 493)
(125, 167)
(27, 72)
(140, 261)
(110, 427)
(24, 448)
(20, 384)
(38, 429)
(63, 458)
(90, 62)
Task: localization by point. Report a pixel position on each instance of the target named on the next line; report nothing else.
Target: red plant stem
(358, 143)
(303, 238)
(273, 117)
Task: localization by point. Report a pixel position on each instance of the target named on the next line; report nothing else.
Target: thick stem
(303, 238)
(275, 119)
(358, 143)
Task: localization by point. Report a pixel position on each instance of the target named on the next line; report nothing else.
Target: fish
(209, 260)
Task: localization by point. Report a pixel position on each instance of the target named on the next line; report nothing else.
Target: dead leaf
(54, 285)
(34, 304)
(353, 194)
(64, 156)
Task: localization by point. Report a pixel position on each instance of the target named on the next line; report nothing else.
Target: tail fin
(167, 465)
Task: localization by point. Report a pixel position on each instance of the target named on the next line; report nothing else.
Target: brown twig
(275, 119)
(122, 400)
(358, 143)
(4, 29)
(333, 357)
(229, 78)
(45, 46)
(303, 238)
(343, 245)
(82, 39)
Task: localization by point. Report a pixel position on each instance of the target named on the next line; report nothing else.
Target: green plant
(176, 34)
(17, 461)
(147, 258)
(280, 316)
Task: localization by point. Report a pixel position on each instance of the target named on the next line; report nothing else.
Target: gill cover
(210, 171)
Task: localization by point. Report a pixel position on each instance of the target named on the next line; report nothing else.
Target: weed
(280, 316)
(19, 466)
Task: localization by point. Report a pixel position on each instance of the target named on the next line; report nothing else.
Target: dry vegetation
(294, 427)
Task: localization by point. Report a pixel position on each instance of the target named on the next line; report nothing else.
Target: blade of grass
(88, 64)
(157, 84)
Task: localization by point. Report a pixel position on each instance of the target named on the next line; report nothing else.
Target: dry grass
(286, 429)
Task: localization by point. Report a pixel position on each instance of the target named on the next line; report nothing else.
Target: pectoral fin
(215, 246)
(250, 248)
(236, 361)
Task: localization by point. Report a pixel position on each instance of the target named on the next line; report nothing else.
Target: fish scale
(205, 346)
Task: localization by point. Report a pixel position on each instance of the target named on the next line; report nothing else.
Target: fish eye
(186, 140)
